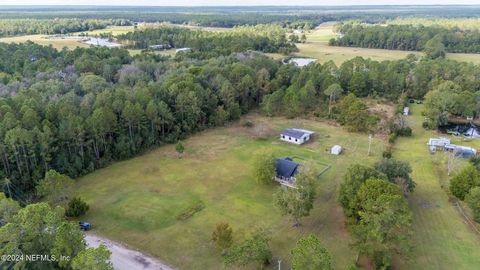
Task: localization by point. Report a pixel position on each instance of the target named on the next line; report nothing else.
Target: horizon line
(258, 5)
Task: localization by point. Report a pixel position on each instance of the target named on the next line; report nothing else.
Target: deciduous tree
(309, 254)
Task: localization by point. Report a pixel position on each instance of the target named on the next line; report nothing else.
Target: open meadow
(68, 43)
(317, 47)
(442, 237)
(138, 201)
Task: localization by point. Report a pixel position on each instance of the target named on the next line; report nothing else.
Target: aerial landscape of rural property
(215, 134)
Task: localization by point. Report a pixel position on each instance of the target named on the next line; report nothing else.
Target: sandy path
(124, 258)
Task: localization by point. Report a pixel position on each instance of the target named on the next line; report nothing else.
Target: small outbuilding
(160, 46)
(336, 150)
(295, 135)
(184, 50)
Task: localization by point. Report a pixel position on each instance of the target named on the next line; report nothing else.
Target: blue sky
(235, 3)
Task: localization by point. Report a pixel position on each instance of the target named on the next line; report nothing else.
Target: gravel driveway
(124, 258)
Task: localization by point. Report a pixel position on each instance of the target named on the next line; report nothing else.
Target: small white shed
(336, 150)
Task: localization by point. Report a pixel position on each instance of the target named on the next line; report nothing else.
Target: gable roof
(296, 133)
(286, 167)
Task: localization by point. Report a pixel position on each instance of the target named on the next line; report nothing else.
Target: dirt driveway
(124, 258)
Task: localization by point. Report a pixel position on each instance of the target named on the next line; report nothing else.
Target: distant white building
(406, 111)
(160, 47)
(185, 50)
(336, 150)
(302, 62)
(295, 135)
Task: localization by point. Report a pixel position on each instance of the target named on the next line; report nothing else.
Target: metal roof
(285, 167)
(296, 133)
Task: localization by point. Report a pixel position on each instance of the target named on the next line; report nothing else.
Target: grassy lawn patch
(317, 47)
(138, 201)
(442, 237)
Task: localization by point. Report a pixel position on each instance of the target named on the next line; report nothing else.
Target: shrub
(76, 207)
(473, 200)
(392, 138)
(387, 153)
(247, 123)
(461, 183)
(264, 168)
(222, 236)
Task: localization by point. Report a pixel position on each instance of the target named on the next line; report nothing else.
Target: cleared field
(69, 43)
(43, 40)
(442, 238)
(137, 201)
(317, 47)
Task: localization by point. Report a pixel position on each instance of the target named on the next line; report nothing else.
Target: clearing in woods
(139, 201)
(317, 47)
(69, 43)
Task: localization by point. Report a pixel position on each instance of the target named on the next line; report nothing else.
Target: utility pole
(279, 264)
(370, 137)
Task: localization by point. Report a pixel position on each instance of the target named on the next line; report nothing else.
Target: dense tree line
(288, 16)
(42, 229)
(74, 111)
(12, 27)
(407, 37)
(264, 38)
(453, 88)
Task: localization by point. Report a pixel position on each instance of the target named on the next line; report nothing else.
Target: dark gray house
(286, 169)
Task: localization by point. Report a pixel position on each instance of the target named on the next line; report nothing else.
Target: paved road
(126, 259)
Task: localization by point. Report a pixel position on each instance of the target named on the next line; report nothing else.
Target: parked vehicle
(85, 226)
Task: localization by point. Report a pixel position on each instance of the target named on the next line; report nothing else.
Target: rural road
(124, 258)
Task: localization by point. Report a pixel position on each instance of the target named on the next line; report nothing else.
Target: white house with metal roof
(437, 143)
(296, 135)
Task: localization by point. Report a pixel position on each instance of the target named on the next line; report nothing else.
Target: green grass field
(137, 201)
(442, 238)
(317, 47)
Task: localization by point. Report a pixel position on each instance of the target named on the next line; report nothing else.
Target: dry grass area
(45, 41)
(138, 201)
(68, 43)
(317, 47)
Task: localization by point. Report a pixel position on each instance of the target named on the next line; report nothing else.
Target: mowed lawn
(137, 201)
(442, 238)
(317, 47)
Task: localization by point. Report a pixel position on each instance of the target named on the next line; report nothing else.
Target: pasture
(138, 201)
(442, 238)
(69, 43)
(317, 47)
